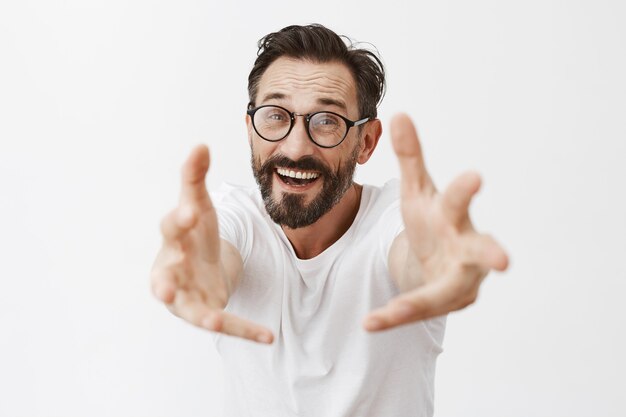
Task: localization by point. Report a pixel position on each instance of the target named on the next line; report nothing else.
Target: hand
(194, 272)
(450, 259)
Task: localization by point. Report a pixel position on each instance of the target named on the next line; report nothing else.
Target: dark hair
(320, 44)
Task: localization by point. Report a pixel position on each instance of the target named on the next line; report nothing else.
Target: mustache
(306, 163)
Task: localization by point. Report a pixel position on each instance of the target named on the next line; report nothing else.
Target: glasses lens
(272, 123)
(327, 129)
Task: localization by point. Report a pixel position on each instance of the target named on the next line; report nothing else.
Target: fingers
(415, 178)
(483, 251)
(191, 308)
(232, 325)
(457, 197)
(193, 187)
(478, 254)
(431, 300)
(178, 222)
(164, 285)
(195, 210)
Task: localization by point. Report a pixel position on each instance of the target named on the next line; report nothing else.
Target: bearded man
(311, 267)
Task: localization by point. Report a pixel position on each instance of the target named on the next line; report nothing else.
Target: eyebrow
(333, 102)
(273, 96)
(327, 101)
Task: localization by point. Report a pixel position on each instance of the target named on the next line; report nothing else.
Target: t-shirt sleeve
(234, 222)
(390, 224)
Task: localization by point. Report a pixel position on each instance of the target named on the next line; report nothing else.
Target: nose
(297, 144)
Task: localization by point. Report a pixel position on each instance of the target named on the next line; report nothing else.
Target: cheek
(261, 149)
(344, 155)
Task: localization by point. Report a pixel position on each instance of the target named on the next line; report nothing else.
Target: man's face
(322, 175)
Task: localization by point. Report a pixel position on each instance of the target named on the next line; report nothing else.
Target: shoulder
(381, 198)
(228, 192)
(233, 197)
(242, 204)
(240, 214)
(381, 216)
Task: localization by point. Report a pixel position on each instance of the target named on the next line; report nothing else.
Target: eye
(328, 120)
(272, 115)
(276, 115)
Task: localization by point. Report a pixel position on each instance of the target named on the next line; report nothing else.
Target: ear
(250, 128)
(370, 136)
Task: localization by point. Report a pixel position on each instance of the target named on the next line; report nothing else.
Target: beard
(291, 210)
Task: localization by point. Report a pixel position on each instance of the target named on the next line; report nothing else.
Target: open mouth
(296, 178)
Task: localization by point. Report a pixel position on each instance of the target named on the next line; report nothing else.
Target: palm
(201, 282)
(452, 257)
(201, 275)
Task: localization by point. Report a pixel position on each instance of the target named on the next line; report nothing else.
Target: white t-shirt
(322, 361)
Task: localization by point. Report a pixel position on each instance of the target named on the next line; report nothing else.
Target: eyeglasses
(325, 128)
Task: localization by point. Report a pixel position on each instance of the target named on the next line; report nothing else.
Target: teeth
(298, 174)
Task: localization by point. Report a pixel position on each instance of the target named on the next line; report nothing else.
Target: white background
(100, 102)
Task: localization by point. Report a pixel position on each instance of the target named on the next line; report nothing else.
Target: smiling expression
(299, 180)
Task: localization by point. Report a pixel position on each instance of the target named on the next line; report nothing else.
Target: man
(315, 266)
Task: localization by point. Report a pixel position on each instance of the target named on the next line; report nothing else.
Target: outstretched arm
(439, 260)
(195, 272)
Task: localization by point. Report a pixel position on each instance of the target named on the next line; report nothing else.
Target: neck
(312, 240)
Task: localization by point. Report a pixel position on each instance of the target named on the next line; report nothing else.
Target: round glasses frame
(307, 118)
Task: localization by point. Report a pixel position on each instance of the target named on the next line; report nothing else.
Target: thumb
(195, 168)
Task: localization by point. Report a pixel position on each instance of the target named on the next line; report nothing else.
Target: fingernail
(264, 338)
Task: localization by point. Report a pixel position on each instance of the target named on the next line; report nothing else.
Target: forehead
(307, 84)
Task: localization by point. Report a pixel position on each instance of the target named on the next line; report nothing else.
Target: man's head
(306, 70)
(316, 43)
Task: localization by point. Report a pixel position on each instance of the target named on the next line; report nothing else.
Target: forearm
(231, 265)
(404, 267)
